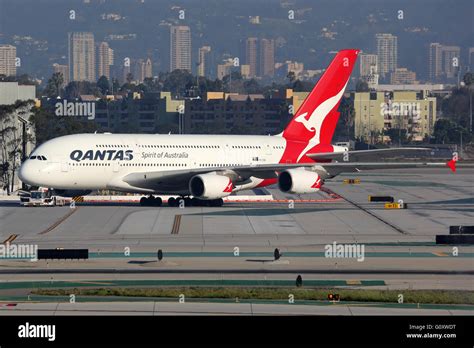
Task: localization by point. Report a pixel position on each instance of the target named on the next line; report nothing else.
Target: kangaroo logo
(317, 184)
(315, 121)
(229, 187)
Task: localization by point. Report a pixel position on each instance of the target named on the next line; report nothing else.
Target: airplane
(211, 167)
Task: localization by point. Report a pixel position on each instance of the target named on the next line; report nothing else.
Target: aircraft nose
(26, 173)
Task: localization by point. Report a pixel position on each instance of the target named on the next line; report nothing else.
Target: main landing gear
(151, 201)
(194, 202)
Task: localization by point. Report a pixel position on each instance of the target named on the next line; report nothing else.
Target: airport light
(276, 254)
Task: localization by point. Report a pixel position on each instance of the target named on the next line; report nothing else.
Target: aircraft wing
(358, 155)
(177, 180)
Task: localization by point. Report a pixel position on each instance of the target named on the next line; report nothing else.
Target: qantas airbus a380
(210, 167)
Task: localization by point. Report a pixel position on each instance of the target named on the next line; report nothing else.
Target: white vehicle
(43, 198)
(211, 167)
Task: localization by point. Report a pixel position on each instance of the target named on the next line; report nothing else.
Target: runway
(209, 308)
(236, 242)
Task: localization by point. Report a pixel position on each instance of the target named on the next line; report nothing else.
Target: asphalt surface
(123, 239)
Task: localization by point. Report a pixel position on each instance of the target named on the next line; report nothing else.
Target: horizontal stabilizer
(361, 154)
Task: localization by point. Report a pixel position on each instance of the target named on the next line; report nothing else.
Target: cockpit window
(41, 158)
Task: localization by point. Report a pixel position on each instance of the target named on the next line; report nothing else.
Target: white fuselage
(100, 161)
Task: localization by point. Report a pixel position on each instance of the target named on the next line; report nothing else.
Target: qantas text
(101, 155)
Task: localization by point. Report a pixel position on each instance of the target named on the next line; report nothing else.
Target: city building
(444, 61)
(10, 92)
(387, 53)
(105, 59)
(267, 58)
(234, 113)
(251, 50)
(470, 59)
(368, 69)
(203, 65)
(435, 64)
(376, 113)
(64, 71)
(7, 60)
(147, 113)
(283, 69)
(81, 57)
(245, 71)
(403, 76)
(143, 69)
(225, 68)
(451, 61)
(180, 50)
(366, 62)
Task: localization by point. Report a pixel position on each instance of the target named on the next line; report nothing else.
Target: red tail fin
(315, 121)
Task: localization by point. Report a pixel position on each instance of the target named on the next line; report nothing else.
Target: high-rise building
(251, 45)
(451, 60)
(435, 63)
(63, 70)
(470, 59)
(444, 61)
(202, 65)
(267, 58)
(403, 76)
(7, 60)
(81, 56)
(365, 63)
(387, 53)
(225, 68)
(105, 59)
(245, 71)
(148, 68)
(143, 70)
(180, 52)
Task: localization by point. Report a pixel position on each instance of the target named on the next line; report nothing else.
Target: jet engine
(299, 181)
(210, 186)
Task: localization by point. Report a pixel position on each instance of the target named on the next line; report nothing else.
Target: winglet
(452, 165)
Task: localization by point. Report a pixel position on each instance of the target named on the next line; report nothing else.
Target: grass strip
(354, 295)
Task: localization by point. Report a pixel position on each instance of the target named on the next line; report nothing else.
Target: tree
(11, 140)
(302, 86)
(47, 125)
(397, 135)
(129, 78)
(291, 77)
(176, 82)
(103, 85)
(468, 78)
(75, 88)
(54, 86)
(345, 126)
(447, 131)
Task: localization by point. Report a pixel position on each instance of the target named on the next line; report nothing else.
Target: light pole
(470, 107)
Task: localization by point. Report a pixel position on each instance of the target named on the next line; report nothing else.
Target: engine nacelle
(299, 181)
(210, 186)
